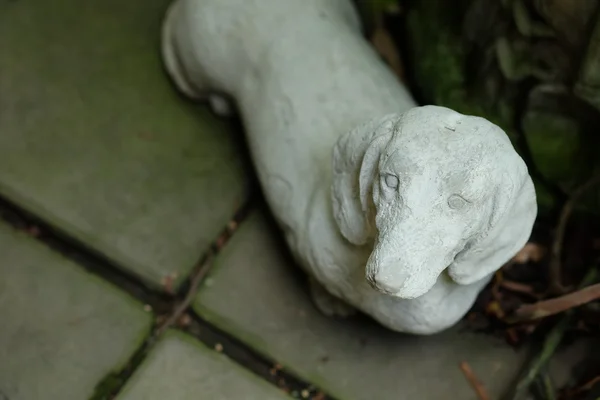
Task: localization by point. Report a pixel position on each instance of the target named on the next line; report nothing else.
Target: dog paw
(328, 304)
(220, 105)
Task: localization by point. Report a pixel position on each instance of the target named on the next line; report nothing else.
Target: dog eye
(391, 181)
(456, 202)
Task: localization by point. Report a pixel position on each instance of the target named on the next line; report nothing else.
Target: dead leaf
(530, 252)
(385, 46)
(494, 308)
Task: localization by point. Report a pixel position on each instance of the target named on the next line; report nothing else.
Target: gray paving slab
(96, 141)
(63, 329)
(182, 368)
(256, 294)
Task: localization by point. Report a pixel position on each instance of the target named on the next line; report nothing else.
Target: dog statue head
(433, 191)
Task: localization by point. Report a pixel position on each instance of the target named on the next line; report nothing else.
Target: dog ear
(514, 212)
(355, 161)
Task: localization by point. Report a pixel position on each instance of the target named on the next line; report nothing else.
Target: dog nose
(382, 286)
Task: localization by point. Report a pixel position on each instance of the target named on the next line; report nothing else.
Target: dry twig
(199, 274)
(549, 346)
(518, 287)
(583, 388)
(555, 269)
(556, 305)
(475, 383)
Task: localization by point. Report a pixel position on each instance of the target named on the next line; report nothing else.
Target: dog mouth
(414, 283)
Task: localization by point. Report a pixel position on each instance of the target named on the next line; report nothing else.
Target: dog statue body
(400, 211)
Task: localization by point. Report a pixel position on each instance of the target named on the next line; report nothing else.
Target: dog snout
(382, 286)
(387, 278)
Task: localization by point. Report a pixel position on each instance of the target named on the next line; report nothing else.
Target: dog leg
(171, 58)
(328, 304)
(221, 105)
(195, 90)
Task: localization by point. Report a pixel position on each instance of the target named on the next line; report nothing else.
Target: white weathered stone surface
(426, 203)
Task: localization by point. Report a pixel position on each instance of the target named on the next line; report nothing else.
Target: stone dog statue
(400, 211)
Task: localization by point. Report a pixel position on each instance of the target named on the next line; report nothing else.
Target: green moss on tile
(98, 142)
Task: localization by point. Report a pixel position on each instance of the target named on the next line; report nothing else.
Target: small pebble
(219, 347)
(34, 231)
(220, 242)
(231, 226)
(305, 393)
(185, 320)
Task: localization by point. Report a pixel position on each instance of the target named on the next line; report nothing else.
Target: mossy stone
(557, 147)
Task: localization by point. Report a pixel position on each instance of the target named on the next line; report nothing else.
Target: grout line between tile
(163, 305)
(76, 251)
(252, 360)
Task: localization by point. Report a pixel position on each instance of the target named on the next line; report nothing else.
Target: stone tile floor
(112, 190)
(252, 293)
(194, 371)
(63, 329)
(95, 140)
